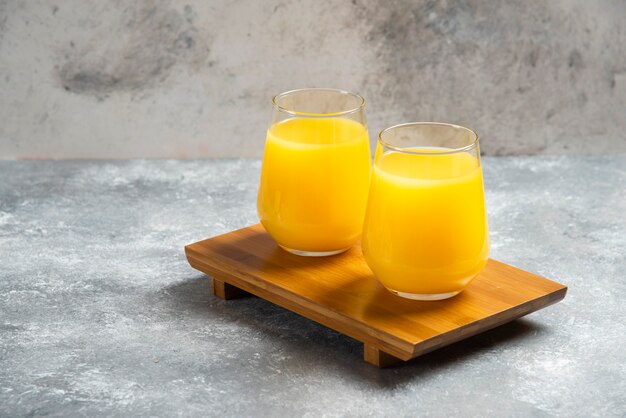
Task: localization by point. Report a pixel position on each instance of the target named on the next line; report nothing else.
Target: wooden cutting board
(341, 293)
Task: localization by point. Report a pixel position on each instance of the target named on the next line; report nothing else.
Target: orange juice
(314, 183)
(426, 228)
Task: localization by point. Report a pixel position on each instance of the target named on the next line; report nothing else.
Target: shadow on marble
(313, 345)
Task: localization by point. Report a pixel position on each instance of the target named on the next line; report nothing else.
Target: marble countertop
(100, 314)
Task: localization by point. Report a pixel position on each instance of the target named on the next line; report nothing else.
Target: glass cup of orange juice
(425, 235)
(316, 171)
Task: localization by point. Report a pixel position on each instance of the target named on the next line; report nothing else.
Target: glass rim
(318, 115)
(397, 148)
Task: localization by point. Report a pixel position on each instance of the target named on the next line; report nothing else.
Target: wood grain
(341, 293)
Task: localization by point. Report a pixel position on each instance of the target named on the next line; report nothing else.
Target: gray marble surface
(100, 313)
(194, 78)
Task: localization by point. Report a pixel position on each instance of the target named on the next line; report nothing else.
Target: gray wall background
(194, 79)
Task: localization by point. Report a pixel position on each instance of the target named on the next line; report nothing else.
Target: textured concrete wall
(186, 79)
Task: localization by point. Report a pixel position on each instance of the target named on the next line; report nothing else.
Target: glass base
(313, 253)
(417, 296)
